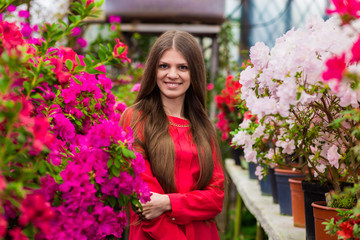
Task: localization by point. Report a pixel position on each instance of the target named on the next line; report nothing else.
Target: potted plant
(299, 90)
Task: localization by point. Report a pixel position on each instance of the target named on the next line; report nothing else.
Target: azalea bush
(300, 90)
(227, 101)
(67, 169)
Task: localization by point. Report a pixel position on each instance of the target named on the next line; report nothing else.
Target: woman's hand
(158, 204)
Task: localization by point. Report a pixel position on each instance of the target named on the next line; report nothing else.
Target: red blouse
(193, 211)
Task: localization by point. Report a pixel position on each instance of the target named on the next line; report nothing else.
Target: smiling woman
(173, 79)
(178, 142)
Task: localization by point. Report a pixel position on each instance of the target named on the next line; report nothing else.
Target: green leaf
(115, 171)
(128, 153)
(76, 80)
(69, 64)
(120, 50)
(117, 162)
(110, 162)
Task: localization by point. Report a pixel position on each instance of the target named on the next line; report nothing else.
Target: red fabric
(192, 212)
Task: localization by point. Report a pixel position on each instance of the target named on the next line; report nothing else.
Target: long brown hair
(157, 143)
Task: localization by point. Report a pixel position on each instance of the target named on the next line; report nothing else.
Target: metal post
(214, 65)
(238, 217)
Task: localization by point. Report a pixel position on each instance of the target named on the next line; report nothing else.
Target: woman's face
(173, 75)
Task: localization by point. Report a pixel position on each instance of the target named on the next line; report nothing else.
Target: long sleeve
(199, 205)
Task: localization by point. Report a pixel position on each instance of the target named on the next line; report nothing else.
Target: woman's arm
(199, 205)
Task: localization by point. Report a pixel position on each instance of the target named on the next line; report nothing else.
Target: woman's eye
(183, 67)
(163, 66)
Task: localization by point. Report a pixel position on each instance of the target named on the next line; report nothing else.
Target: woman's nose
(172, 73)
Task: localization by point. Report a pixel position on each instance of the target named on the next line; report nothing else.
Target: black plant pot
(235, 154)
(284, 192)
(252, 168)
(265, 185)
(274, 192)
(313, 191)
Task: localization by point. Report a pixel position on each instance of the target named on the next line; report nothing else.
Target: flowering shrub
(67, 169)
(229, 117)
(299, 90)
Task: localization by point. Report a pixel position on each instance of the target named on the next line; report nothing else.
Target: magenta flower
(24, 14)
(81, 42)
(17, 234)
(136, 87)
(355, 50)
(63, 127)
(210, 86)
(349, 7)
(3, 226)
(37, 211)
(2, 183)
(11, 8)
(120, 106)
(48, 188)
(100, 135)
(76, 31)
(110, 223)
(114, 19)
(336, 67)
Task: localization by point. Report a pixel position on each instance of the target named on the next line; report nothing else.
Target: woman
(178, 142)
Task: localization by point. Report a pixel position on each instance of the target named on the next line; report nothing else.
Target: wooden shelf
(277, 226)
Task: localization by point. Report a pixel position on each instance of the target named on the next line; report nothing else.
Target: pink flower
(26, 30)
(333, 156)
(114, 19)
(10, 36)
(346, 9)
(136, 87)
(88, 2)
(36, 210)
(16, 234)
(3, 226)
(2, 185)
(120, 51)
(120, 106)
(336, 67)
(210, 86)
(76, 31)
(11, 8)
(63, 127)
(24, 14)
(355, 50)
(82, 42)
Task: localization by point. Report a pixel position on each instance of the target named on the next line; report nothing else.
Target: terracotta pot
(297, 201)
(321, 214)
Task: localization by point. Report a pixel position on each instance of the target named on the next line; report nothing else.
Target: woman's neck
(174, 107)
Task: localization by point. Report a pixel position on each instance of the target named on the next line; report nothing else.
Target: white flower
(250, 155)
(333, 156)
(258, 172)
(288, 146)
(259, 55)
